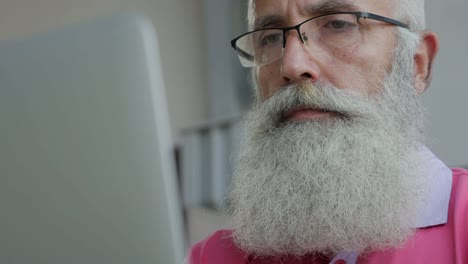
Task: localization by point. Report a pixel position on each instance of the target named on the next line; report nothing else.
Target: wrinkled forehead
(262, 12)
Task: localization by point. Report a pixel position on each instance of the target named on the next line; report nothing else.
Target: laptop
(87, 170)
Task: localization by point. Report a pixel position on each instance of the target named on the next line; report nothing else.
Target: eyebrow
(326, 6)
(332, 6)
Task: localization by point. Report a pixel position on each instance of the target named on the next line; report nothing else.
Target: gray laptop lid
(86, 158)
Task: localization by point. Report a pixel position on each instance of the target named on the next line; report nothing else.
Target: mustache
(320, 96)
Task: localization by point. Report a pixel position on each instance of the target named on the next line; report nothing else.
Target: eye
(270, 39)
(339, 25)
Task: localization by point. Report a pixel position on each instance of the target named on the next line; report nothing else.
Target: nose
(297, 63)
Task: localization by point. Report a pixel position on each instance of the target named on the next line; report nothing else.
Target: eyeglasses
(330, 32)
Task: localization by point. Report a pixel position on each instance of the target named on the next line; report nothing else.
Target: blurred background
(207, 89)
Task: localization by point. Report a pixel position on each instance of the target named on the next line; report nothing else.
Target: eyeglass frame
(358, 14)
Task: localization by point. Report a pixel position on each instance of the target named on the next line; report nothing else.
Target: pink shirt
(442, 236)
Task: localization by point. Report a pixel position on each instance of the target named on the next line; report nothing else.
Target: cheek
(267, 79)
(356, 69)
(348, 55)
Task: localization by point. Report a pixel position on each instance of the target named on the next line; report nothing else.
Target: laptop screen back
(86, 158)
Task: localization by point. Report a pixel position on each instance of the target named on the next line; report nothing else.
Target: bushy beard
(348, 183)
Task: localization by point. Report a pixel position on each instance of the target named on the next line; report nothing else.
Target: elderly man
(333, 167)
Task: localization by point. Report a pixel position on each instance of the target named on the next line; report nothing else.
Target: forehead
(287, 11)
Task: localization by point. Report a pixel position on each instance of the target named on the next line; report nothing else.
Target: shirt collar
(435, 210)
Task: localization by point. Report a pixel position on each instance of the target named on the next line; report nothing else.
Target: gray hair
(251, 14)
(410, 11)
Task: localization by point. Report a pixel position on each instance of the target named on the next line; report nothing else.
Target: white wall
(178, 24)
(447, 98)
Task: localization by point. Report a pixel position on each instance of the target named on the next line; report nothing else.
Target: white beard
(351, 183)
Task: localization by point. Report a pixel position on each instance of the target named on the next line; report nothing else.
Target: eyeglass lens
(328, 33)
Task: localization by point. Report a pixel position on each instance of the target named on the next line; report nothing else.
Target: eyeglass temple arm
(384, 19)
(243, 54)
